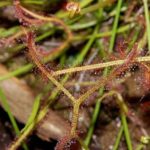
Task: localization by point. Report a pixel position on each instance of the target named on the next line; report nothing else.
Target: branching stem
(98, 66)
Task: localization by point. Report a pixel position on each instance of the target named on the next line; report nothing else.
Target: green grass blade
(34, 112)
(92, 124)
(29, 125)
(116, 145)
(3, 99)
(17, 72)
(81, 55)
(98, 104)
(126, 131)
(115, 25)
(147, 17)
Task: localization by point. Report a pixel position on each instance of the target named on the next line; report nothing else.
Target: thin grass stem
(115, 26)
(117, 142)
(147, 17)
(11, 117)
(126, 131)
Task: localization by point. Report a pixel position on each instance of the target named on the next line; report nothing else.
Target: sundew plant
(85, 64)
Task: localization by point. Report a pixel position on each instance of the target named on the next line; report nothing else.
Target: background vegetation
(75, 74)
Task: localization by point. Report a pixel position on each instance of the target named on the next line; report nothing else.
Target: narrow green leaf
(34, 112)
(3, 100)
